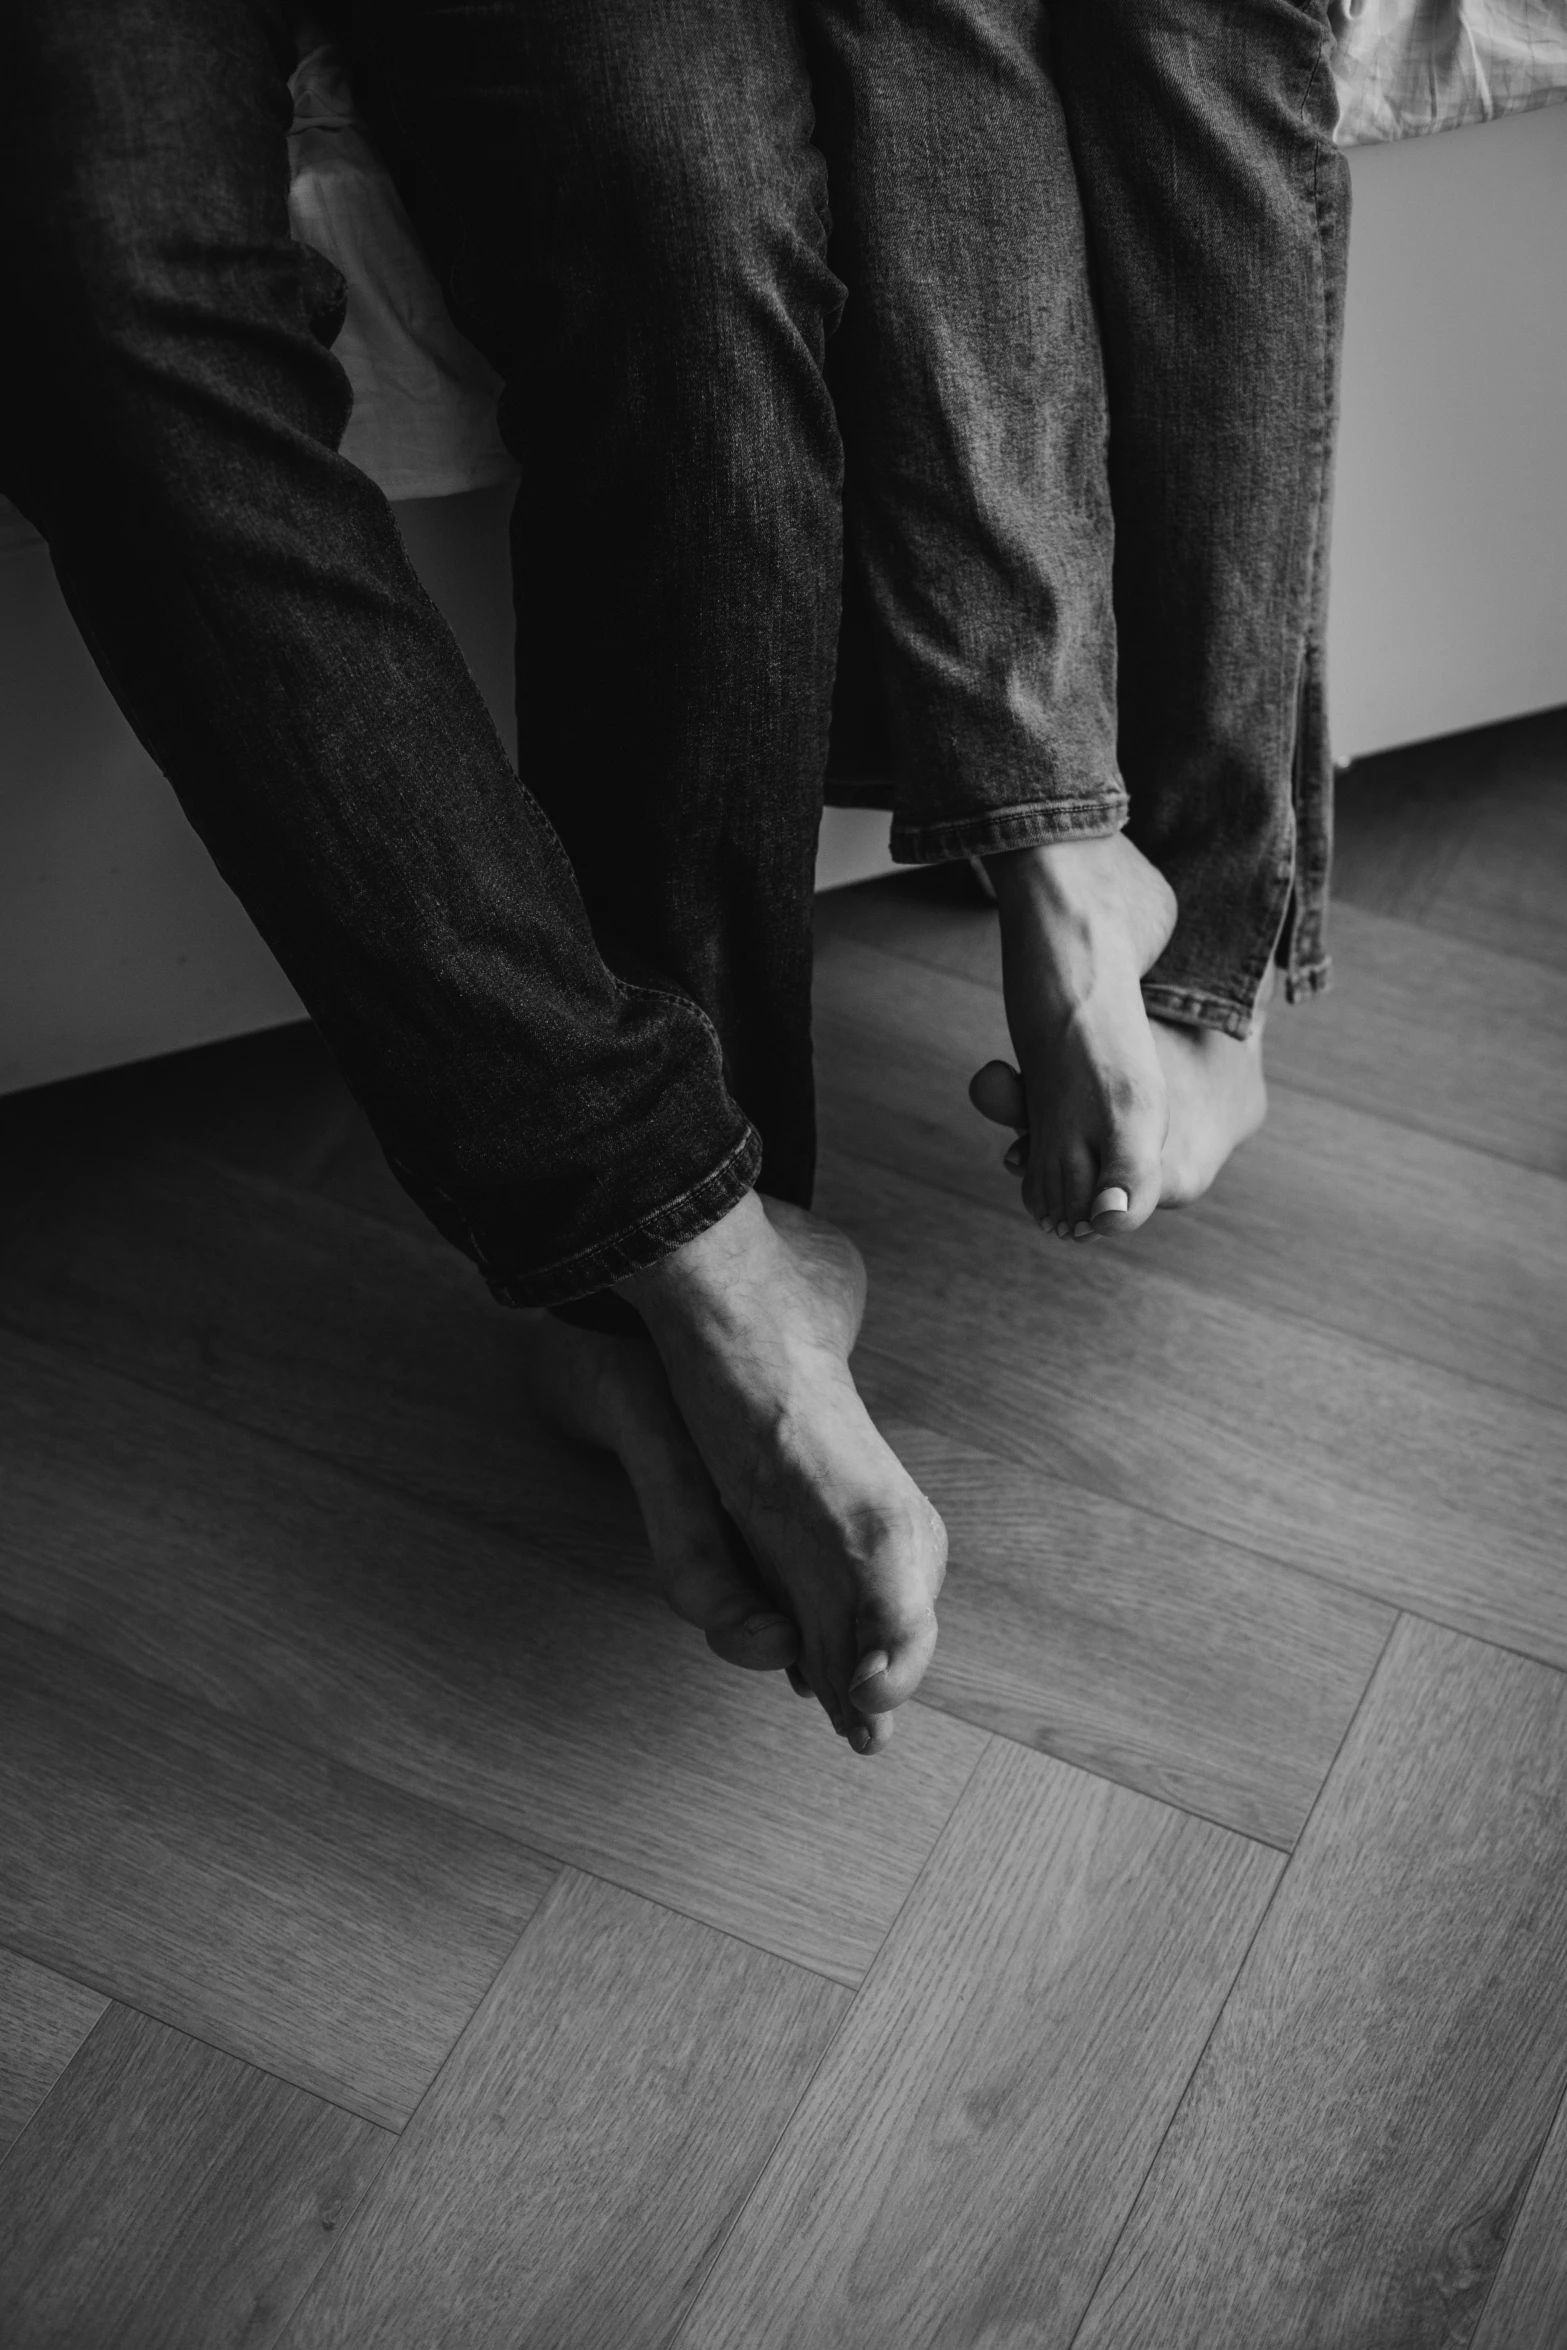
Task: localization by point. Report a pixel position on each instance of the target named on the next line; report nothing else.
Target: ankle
(697, 1284)
(1054, 872)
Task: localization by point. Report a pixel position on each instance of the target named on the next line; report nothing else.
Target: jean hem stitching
(635, 1248)
(1030, 824)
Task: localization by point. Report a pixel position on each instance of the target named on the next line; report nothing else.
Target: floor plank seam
(1546, 2136)
(282, 1742)
(1527, 1656)
(1235, 1541)
(763, 2168)
(267, 2072)
(66, 1350)
(743, 2205)
(1294, 1084)
(446, 1512)
(1285, 1315)
(1219, 2012)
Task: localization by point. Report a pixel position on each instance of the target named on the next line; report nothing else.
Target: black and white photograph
(783, 1175)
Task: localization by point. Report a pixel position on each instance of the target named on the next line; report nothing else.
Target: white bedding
(1406, 67)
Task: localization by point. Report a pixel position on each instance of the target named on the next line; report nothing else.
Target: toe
(895, 1630)
(893, 1661)
(872, 1733)
(1042, 1186)
(1124, 1189)
(762, 1643)
(996, 1091)
(1078, 1171)
(709, 1582)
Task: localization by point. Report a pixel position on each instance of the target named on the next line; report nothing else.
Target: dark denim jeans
(1095, 255)
(576, 1066)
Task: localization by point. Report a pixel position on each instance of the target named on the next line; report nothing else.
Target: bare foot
(612, 1392)
(754, 1321)
(1217, 1096)
(1081, 921)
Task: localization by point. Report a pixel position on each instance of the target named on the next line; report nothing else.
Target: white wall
(1449, 587)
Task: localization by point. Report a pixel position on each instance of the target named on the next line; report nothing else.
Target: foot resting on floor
(754, 1321)
(611, 1392)
(1081, 921)
(1217, 1096)
(1215, 1093)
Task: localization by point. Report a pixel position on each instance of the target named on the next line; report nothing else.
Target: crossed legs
(1095, 264)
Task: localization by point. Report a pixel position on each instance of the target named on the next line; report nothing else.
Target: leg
(1217, 211)
(632, 216)
(245, 591)
(247, 595)
(969, 380)
(629, 200)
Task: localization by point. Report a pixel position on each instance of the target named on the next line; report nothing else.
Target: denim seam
(1321, 454)
(1193, 1008)
(1025, 825)
(639, 1245)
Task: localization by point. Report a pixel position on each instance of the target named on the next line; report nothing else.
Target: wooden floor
(409, 1935)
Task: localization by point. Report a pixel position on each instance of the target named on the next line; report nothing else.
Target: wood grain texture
(1412, 1485)
(294, 1912)
(583, 2152)
(961, 2165)
(1466, 834)
(542, 1689)
(1432, 1032)
(1329, 1215)
(1159, 1658)
(1359, 2135)
(170, 2198)
(43, 2021)
(1527, 2305)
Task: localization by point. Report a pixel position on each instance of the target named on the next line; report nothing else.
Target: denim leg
(1218, 213)
(170, 418)
(630, 215)
(969, 381)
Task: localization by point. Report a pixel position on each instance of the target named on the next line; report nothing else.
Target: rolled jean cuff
(637, 1247)
(992, 832)
(1189, 1007)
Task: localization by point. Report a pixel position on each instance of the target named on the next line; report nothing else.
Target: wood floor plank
(1330, 1214)
(1358, 2137)
(1528, 2302)
(1431, 1031)
(171, 2198)
(294, 1912)
(1159, 1658)
(1408, 1484)
(1466, 834)
(587, 2145)
(43, 2021)
(959, 2169)
(545, 1692)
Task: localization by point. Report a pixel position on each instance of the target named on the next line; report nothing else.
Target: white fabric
(1406, 67)
(423, 424)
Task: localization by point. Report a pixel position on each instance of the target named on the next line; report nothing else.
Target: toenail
(1082, 1232)
(868, 1667)
(1112, 1201)
(860, 1739)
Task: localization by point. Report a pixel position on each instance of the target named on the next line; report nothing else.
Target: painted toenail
(1112, 1201)
(868, 1667)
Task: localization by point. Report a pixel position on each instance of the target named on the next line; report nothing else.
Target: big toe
(895, 1626)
